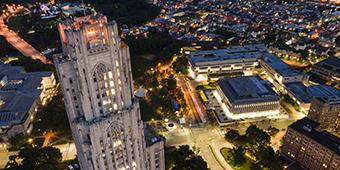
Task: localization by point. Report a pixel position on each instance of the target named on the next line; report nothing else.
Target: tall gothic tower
(95, 74)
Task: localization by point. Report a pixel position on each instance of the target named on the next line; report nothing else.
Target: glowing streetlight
(30, 140)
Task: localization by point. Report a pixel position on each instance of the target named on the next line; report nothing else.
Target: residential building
(235, 59)
(104, 115)
(247, 97)
(328, 70)
(21, 94)
(326, 111)
(310, 147)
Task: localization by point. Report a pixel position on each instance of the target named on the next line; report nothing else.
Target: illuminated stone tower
(95, 74)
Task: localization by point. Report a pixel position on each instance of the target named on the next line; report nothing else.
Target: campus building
(326, 111)
(303, 95)
(247, 97)
(311, 147)
(235, 59)
(279, 72)
(103, 112)
(328, 70)
(21, 94)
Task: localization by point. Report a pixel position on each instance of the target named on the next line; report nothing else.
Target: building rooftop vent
(307, 128)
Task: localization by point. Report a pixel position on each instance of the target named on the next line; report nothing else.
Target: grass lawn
(245, 166)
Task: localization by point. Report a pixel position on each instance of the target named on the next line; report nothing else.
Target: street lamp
(30, 140)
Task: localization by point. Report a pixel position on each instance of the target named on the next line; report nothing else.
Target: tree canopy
(186, 159)
(33, 157)
(255, 142)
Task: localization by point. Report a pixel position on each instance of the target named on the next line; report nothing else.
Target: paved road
(19, 43)
(208, 139)
(193, 101)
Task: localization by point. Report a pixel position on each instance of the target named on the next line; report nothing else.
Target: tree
(185, 159)
(171, 84)
(255, 166)
(257, 137)
(33, 157)
(237, 156)
(6, 48)
(266, 157)
(12, 162)
(17, 141)
(31, 65)
(272, 131)
(53, 117)
(181, 65)
(232, 136)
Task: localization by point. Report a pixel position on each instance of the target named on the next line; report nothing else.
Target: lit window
(110, 75)
(111, 83)
(105, 102)
(113, 92)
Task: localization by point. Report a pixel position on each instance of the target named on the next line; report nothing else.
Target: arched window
(117, 139)
(100, 71)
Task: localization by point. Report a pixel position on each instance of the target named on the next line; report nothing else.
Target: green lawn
(245, 166)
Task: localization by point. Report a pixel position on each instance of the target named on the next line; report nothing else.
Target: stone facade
(95, 74)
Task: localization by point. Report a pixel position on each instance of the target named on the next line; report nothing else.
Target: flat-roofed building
(280, 72)
(312, 148)
(303, 94)
(247, 97)
(328, 69)
(235, 59)
(21, 94)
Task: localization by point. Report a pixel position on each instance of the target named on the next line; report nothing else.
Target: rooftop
(78, 23)
(308, 127)
(234, 52)
(331, 63)
(306, 93)
(151, 137)
(248, 87)
(279, 66)
(15, 107)
(18, 92)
